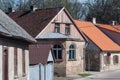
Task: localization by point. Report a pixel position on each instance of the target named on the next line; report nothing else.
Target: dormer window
(57, 28)
(67, 29)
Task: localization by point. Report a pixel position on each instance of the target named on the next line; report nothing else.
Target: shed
(41, 62)
(14, 53)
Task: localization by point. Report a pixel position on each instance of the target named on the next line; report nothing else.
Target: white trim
(49, 23)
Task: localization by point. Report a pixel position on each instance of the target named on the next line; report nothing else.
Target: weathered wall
(76, 66)
(92, 57)
(110, 66)
(11, 44)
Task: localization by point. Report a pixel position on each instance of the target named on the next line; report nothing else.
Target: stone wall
(75, 66)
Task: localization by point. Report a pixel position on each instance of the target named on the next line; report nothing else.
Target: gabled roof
(112, 32)
(34, 22)
(39, 53)
(10, 28)
(97, 36)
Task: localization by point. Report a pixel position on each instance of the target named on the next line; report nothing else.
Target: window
(115, 59)
(57, 51)
(106, 60)
(72, 52)
(67, 29)
(57, 28)
(15, 63)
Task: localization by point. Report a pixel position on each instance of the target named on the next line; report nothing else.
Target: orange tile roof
(110, 27)
(113, 32)
(98, 37)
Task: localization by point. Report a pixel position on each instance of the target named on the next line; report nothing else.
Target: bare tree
(104, 10)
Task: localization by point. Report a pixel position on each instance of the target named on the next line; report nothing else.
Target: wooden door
(5, 64)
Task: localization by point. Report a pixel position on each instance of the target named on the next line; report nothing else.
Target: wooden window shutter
(15, 62)
(23, 63)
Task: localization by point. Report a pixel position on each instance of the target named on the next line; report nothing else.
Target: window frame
(57, 49)
(72, 52)
(57, 28)
(67, 29)
(115, 59)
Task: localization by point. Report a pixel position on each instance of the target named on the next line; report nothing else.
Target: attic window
(67, 29)
(57, 28)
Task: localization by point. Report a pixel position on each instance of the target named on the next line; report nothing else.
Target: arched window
(57, 49)
(72, 52)
(115, 59)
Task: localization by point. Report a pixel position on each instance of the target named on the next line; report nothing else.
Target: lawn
(85, 74)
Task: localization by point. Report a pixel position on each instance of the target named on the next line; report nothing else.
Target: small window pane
(57, 28)
(67, 29)
(55, 54)
(59, 54)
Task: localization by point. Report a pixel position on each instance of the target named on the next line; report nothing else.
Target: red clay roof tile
(97, 36)
(112, 32)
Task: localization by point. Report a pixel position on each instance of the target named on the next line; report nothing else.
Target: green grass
(85, 75)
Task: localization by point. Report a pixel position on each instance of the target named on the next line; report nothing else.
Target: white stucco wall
(1, 67)
(111, 66)
(26, 65)
(11, 63)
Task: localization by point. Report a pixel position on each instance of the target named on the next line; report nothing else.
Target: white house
(41, 62)
(14, 55)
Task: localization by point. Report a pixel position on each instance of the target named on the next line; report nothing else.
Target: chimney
(94, 20)
(11, 10)
(113, 23)
(33, 8)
